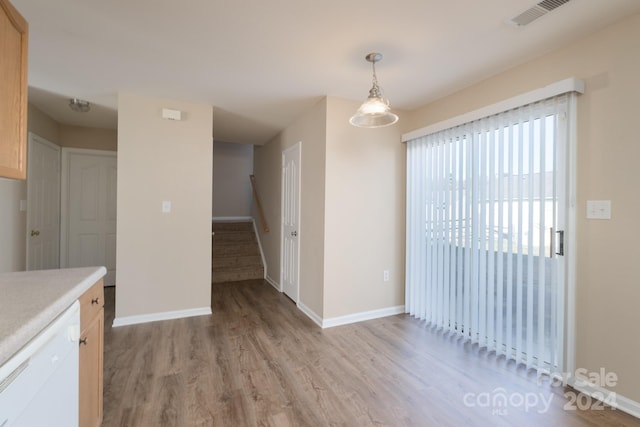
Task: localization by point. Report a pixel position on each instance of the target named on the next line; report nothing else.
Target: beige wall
(13, 222)
(164, 259)
(71, 136)
(352, 210)
(232, 165)
(89, 138)
(608, 280)
(364, 215)
(309, 129)
(43, 125)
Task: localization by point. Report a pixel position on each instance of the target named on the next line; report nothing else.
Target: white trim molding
(232, 219)
(272, 282)
(572, 239)
(264, 260)
(362, 316)
(310, 313)
(166, 315)
(349, 318)
(568, 85)
(606, 396)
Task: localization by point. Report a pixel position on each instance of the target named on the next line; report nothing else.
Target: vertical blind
(484, 202)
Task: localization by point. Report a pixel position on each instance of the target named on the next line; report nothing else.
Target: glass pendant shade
(375, 111)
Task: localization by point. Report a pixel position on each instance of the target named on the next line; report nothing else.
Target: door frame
(35, 138)
(297, 146)
(64, 196)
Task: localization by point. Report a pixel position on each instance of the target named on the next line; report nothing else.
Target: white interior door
(290, 255)
(43, 204)
(89, 210)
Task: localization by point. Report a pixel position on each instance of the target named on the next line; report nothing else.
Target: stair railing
(265, 227)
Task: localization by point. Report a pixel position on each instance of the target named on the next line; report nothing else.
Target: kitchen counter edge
(31, 300)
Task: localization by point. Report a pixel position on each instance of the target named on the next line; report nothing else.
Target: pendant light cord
(375, 89)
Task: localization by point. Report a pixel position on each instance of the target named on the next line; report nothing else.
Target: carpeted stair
(236, 255)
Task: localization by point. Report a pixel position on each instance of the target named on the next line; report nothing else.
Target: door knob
(294, 233)
(35, 233)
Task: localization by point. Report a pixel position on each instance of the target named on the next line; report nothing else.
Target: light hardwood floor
(258, 361)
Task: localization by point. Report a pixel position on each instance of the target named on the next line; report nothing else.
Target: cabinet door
(91, 353)
(13, 92)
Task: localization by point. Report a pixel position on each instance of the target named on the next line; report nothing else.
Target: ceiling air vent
(535, 12)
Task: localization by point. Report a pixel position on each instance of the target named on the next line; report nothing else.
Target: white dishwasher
(39, 384)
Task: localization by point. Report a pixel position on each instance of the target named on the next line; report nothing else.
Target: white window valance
(558, 88)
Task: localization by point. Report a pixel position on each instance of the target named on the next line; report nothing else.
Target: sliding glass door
(485, 221)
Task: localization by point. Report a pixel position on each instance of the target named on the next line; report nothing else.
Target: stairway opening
(235, 252)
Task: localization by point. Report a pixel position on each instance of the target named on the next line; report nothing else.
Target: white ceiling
(261, 63)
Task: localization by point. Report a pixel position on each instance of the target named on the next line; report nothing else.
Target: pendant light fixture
(375, 112)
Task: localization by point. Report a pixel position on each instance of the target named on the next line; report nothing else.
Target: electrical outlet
(385, 275)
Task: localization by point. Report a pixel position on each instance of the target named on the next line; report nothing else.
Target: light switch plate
(598, 209)
(166, 206)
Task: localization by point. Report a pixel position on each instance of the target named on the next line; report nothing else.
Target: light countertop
(29, 301)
